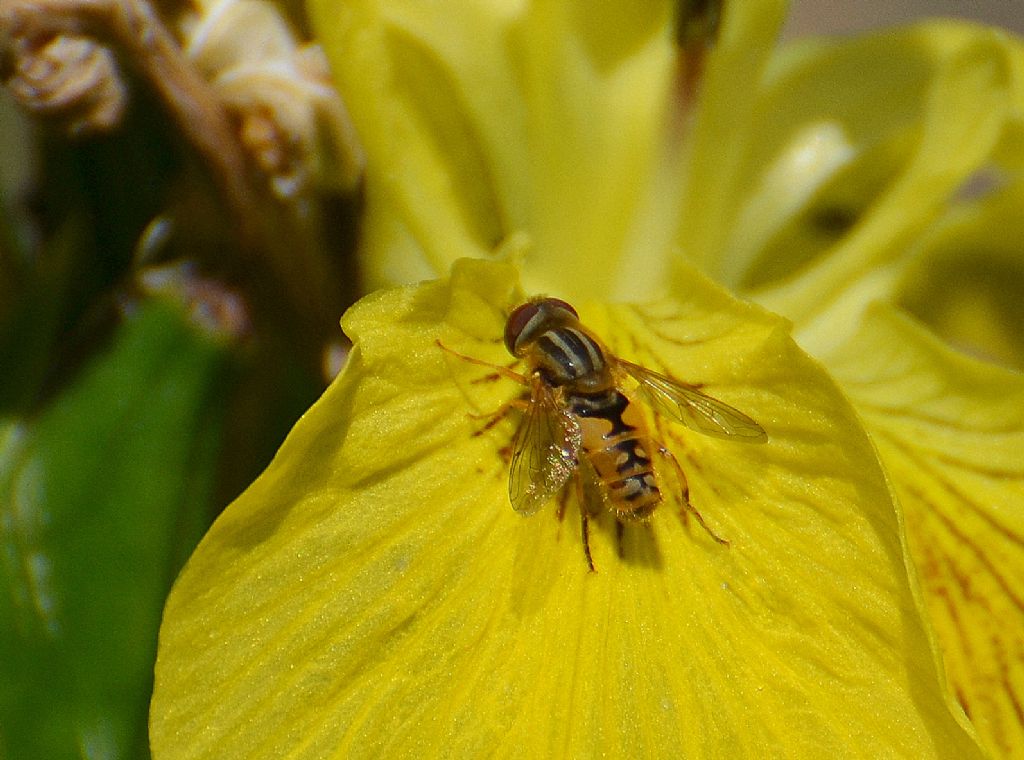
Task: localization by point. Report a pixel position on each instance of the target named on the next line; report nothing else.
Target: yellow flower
(373, 594)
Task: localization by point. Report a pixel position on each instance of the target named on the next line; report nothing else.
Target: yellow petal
(859, 146)
(373, 594)
(559, 122)
(429, 162)
(725, 128)
(950, 431)
(967, 278)
(700, 145)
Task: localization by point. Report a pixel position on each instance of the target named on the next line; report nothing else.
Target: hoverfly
(579, 420)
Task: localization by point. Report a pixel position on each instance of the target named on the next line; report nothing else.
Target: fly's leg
(584, 522)
(563, 503)
(493, 418)
(684, 493)
(498, 369)
(585, 528)
(620, 532)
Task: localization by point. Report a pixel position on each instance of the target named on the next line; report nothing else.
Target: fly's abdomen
(616, 444)
(626, 473)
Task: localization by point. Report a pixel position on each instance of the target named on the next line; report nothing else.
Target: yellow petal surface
(373, 594)
(967, 277)
(951, 434)
(715, 179)
(859, 146)
(558, 121)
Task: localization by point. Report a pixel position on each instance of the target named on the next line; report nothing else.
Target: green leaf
(373, 594)
(31, 314)
(101, 497)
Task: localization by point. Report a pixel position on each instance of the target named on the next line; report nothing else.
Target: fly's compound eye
(517, 322)
(555, 305)
(532, 317)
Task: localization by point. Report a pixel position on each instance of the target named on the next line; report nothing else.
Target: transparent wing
(544, 453)
(698, 411)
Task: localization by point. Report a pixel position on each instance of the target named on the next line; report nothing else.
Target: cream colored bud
(70, 78)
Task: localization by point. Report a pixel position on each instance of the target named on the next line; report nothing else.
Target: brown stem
(133, 28)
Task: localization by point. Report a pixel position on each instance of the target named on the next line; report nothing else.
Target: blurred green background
(150, 365)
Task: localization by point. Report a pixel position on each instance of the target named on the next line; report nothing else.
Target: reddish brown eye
(534, 316)
(558, 303)
(517, 321)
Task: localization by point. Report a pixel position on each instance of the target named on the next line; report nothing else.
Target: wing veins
(689, 406)
(544, 452)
